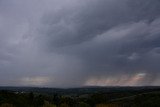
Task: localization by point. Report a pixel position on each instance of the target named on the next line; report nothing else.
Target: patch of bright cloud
(124, 80)
(35, 81)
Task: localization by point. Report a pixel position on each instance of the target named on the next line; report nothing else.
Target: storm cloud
(73, 43)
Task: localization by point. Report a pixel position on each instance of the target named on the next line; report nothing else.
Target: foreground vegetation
(119, 98)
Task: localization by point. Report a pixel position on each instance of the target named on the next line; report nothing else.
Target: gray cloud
(75, 43)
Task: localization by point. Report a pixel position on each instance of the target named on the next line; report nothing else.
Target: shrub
(107, 105)
(6, 105)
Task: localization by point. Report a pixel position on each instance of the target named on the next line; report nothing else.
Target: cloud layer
(72, 43)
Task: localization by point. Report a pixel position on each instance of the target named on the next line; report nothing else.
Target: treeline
(118, 99)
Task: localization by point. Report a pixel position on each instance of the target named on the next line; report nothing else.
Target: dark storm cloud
(76, 43)
(78, 24)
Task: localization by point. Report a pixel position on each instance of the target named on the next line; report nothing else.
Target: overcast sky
(73, 43)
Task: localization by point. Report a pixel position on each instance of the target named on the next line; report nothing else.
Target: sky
(74, 43)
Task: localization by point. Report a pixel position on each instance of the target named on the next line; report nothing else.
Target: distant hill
(81, 90)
